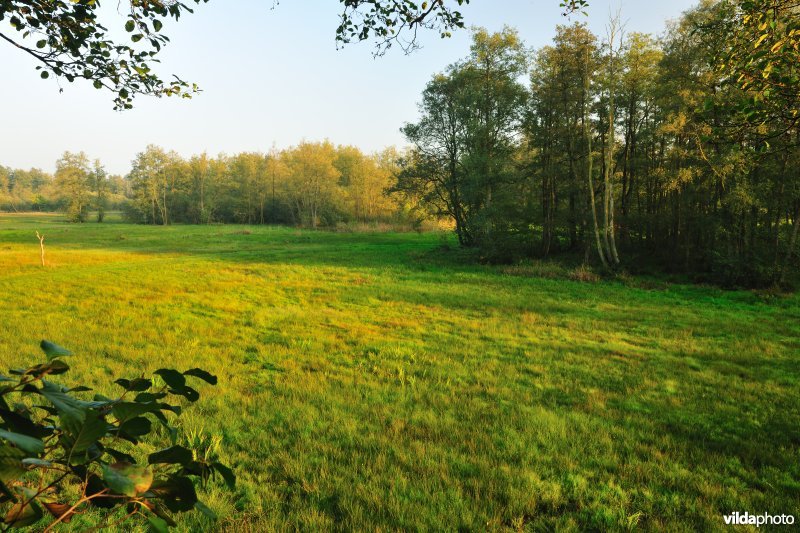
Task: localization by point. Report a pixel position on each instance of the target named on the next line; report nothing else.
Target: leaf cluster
(61, 455)
(68, 41)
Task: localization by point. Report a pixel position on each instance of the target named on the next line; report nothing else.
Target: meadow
(382, 381)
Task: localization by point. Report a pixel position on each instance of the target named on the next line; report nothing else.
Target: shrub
(60, 455)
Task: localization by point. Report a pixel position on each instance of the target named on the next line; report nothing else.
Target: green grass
(378, 382)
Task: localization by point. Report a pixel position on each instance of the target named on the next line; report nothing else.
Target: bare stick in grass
(41, 245)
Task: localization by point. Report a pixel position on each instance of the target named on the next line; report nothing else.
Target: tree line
(313, 184)
(627, 150)
(678, 153)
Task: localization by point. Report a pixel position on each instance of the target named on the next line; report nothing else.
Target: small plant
(60, 455)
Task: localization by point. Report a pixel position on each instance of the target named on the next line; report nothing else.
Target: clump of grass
(536, 269)
(583, 273)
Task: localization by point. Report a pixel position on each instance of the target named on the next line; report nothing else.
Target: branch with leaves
(68, 41)
(53, 445)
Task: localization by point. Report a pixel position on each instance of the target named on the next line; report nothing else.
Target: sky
(270, 77)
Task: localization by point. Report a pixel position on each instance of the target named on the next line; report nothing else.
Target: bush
(60, 455)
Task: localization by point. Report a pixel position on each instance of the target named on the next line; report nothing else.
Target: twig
(41, 244)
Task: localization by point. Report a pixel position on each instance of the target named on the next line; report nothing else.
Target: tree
(156, 179)
(100, 188)
(313, 188)
(471, 119)
(73, 180)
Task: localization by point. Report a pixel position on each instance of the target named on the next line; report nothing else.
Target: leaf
(203, 508)
(50, 349)
(226, 473)
(177, 493)
(171, 455)
(22, 424)
(36, 462)
(189, 393)
(90, 431)
(128, 479)
(11, 465)
(23, 514)
(157, 25)
(129, 26)
(120, 456)
(23, 442)
(127, 410)
(94, 486)
(136, 427)
(136, 385)
(70, 410)
(157, 524)
(202, 374)
(58, 510)
(171, 377)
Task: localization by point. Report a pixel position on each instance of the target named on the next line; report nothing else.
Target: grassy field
(378, 382)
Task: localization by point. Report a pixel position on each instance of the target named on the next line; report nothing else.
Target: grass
(378, 382)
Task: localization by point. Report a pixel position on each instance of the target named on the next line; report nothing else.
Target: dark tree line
(678, 153)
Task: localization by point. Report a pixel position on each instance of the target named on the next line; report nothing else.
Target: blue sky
(269, 76)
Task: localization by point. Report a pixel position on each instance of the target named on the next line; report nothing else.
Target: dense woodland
(626, 150)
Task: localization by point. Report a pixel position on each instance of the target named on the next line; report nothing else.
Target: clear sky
(268, 76)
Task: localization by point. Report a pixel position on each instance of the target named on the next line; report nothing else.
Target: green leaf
(23, 442)
(157, 524)
(82, 424)
(44, 75)
(136, 427)
(157, 25)
(202, 374)
(127, 410)
(136, 385)
(70, 410)
(98, 84)
(171, 455)
(203, 508)
(226, 473)
(90, 431)
(11, 465)
(129, 26)
(52, 350)
(171, 377)
(128, 479)
(177, 493)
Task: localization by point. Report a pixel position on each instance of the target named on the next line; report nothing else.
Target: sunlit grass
(377, 382)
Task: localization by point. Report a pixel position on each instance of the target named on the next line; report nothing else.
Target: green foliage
(65, 454)
(678, 153)
(72, 43)
(311, 184)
